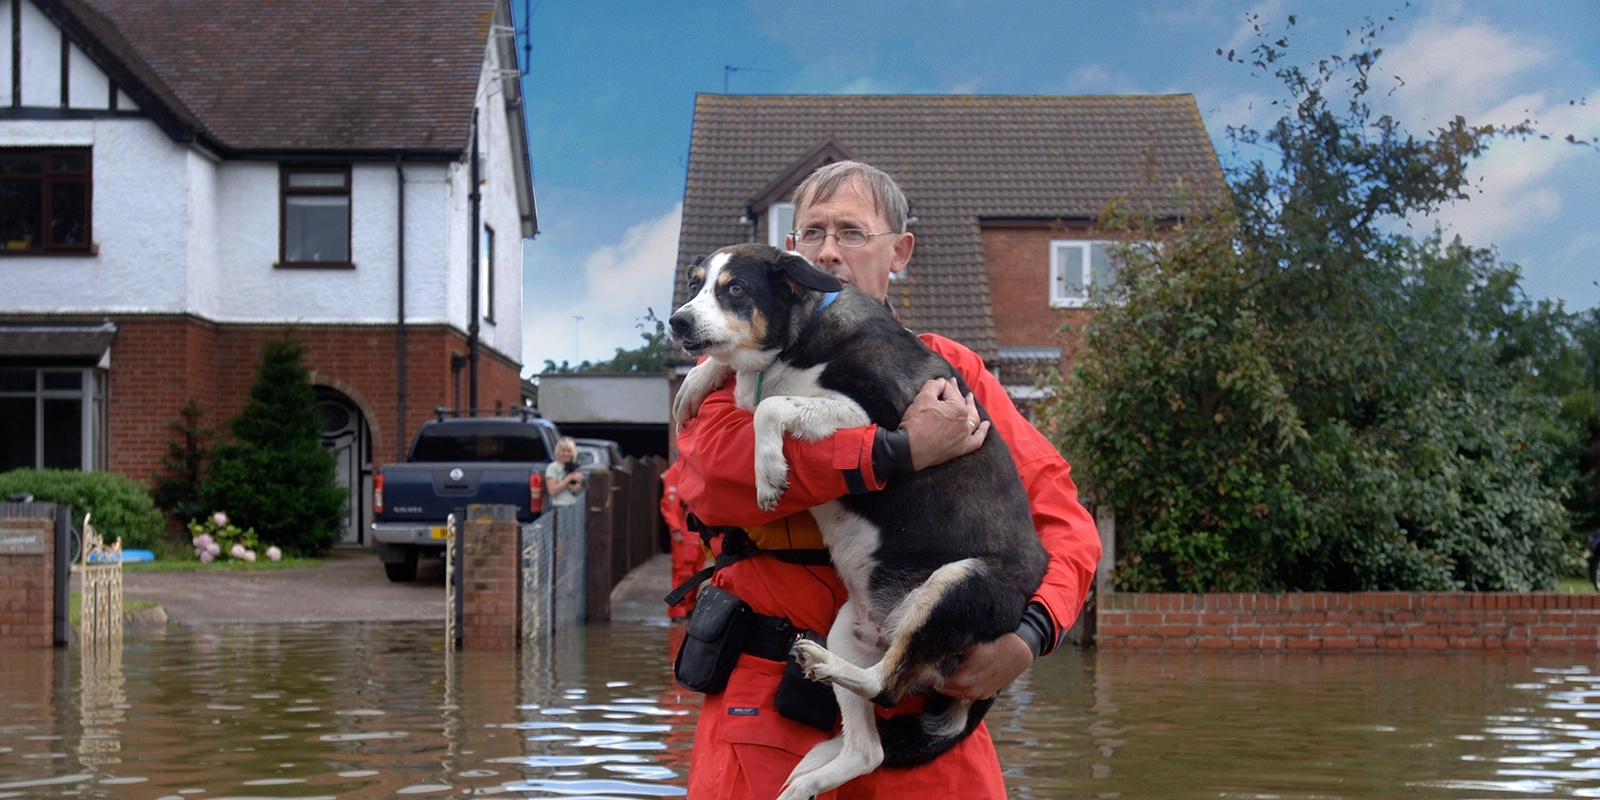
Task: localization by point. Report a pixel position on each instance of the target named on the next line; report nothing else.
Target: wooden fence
(624, 526)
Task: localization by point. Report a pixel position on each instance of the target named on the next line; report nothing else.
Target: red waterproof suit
(688, 554)
(743, 749)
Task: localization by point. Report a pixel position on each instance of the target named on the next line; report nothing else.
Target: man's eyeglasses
(849, 237)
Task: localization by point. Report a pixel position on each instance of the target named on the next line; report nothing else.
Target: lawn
(193, 565)
(1574, 585)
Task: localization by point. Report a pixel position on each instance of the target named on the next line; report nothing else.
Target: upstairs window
(1079, 270)
(44, 200)
(780, 220)
(314, 208)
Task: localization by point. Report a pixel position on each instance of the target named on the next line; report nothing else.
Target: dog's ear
(796, 268)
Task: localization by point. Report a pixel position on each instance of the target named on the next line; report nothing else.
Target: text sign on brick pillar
(27, 582)
(490, 584)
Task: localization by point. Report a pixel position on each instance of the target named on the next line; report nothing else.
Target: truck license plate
(439, 533)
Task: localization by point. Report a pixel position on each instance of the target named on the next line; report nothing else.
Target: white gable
(48, 59)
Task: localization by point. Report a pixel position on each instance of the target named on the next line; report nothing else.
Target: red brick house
(1004, 193)
(181, 180)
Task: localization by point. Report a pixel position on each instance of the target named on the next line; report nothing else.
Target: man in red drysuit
(743, 748)
(688, 554)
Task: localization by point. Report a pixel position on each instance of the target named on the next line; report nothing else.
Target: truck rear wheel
(403, 571)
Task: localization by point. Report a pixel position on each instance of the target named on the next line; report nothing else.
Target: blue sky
(611, 86)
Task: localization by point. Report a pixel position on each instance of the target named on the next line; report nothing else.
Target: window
(314, 206)
(780, 220)
(52, 419)
(1079, 270)
(44, 200)
(486, 272)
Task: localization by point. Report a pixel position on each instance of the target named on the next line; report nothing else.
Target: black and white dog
(939, 560)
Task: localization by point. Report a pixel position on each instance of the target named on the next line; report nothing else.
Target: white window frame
(1060, 299)
(777, 227)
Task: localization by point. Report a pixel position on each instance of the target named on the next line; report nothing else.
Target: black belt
(770, 638)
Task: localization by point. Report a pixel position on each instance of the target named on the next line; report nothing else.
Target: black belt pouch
(804, 700)
(713, 641)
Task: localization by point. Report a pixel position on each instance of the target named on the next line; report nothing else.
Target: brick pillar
(27, 582)
(491, 559)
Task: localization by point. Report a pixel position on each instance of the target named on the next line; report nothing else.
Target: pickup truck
(456, 461)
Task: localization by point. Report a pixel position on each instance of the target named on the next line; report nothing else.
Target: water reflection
(383, 710)
(347, 711)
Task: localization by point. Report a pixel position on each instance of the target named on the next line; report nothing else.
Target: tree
(179, 488)
(275, 476)
(1287, 394)
(648, 357)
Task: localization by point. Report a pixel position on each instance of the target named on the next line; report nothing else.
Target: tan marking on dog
(912, 614)
(758, 329)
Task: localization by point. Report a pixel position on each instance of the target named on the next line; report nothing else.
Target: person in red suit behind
(688, 555)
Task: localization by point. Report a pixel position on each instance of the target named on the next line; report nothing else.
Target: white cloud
(623, 280)
(1096, 79)
(1451, 68)
(1527, 193)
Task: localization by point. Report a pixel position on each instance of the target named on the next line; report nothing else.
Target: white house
(180, 180)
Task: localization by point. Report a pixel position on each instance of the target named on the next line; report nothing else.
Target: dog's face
(742, 298)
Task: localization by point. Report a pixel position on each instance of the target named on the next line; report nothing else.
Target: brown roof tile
(306, 75)
(959, 158)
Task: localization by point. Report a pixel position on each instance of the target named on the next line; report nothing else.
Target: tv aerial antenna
(729, 69)
(529, 8)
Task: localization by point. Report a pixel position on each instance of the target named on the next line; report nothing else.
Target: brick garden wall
(491, 585)
(1367, 621)
(27, 589)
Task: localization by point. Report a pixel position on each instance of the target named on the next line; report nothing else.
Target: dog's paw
(767, 495)
(772, 475)
(700, 382)
(814, 659)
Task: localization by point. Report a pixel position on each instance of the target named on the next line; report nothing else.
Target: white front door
(344, 432)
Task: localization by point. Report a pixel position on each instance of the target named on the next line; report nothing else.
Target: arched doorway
(345, 433)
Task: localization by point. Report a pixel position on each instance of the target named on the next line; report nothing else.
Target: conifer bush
(179, 488)
(274, 475)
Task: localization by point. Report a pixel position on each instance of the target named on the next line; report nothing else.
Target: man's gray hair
(887, 198)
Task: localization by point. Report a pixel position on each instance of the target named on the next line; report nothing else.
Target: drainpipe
(474, 198)
(400, 306)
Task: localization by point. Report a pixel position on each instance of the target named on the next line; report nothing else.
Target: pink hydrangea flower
(221, 519)
(274, 553)
(207, 556)
(250, 555)
(238, 551)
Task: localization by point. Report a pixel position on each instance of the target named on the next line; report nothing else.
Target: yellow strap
(794, 532)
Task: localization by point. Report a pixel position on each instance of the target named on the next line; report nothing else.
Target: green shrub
(1292, 393)
(122, 507)
(275, 476)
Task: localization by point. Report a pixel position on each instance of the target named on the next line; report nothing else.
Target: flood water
(382, 710)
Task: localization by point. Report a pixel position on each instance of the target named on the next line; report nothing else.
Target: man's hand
(941, 424)
(986, 668)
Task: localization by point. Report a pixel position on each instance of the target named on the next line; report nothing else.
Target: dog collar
(827, 300)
